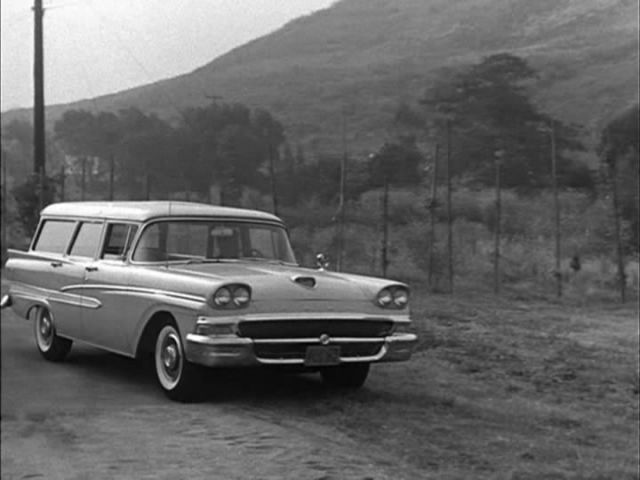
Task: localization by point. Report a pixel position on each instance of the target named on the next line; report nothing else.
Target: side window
(54, 236)
(118, 240)
(87, 240)
(262, 242)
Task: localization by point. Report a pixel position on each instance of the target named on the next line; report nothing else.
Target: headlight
(222, 297)
(384, 297)
(232, 296)
(400, 297)
(396, 296)
(241, 296)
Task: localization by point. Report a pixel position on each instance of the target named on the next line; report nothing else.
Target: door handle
(56, 264)
(91, 269)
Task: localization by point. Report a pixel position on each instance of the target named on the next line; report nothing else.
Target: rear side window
(118, 240)
(87, 240)
(54, 236)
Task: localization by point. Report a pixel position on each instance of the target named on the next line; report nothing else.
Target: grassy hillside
(364, 57)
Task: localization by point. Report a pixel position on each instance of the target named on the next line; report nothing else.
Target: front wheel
(177, 377)
(350, 375)
(50, 345)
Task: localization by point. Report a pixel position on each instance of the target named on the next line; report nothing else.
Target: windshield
(202, 240)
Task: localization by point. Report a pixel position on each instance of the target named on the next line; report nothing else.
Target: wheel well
(151, 329)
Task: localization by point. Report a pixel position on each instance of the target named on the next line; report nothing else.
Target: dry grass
(504, 388)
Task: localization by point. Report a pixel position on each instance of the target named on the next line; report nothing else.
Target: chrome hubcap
(170, 356)
(45, 327)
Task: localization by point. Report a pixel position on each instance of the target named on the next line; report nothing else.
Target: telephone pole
(496, 249)
(556, 204)
(343, 180)
(38, 100)
(432, 215)
(449, 213)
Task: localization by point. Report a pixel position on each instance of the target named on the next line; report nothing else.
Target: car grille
(274, 351)
(301, 328)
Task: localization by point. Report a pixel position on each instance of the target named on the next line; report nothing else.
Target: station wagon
(193, 285)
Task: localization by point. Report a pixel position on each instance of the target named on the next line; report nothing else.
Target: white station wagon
(199, 285)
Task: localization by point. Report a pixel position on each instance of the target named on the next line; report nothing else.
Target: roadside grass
(505, 388)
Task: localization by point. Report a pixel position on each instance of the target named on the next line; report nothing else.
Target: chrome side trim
(76, 300)
(134, 290)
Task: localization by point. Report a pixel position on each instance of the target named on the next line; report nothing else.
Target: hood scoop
(308, 282)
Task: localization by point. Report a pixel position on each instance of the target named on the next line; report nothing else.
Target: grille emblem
(325, 339)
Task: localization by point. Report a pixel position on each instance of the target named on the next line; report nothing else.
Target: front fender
(184, 311)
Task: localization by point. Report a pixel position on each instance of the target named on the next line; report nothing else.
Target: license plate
(322, 356)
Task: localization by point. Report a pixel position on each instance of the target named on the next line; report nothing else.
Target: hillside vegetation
(361, 58)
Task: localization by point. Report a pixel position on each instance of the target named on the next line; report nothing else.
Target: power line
(142, 67)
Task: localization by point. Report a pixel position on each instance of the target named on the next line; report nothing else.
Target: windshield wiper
(209, 260)
(263, 259)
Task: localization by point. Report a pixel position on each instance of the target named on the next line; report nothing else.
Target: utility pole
(83, 184)
(385, 224)
(111, 175)
(147, 181)
(38, 101)
(556, 202)
(272, 174)
(62, 181)
(449, 214)
(432, 215)
(343, 180)
(496, 248)
(4, 200)
(613, 172)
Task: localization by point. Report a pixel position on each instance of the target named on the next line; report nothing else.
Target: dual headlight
(393, 297)
(232, 296)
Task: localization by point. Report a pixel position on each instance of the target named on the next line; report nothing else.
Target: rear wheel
(350, 375)
(51, 346)
(178, 378)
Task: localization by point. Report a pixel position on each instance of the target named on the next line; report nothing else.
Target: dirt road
(99, 416)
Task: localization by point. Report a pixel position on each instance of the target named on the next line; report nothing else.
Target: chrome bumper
(233, 351)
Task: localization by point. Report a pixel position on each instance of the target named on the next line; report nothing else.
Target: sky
(96, 47)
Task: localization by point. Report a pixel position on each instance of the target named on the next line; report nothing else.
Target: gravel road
(100, 416)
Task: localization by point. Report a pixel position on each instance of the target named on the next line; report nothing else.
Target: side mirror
(322, 261)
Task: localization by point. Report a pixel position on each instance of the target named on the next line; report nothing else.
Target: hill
(361, 58)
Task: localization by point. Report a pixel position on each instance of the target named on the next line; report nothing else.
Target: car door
(74, 297)
(52, 271)
(106, 281)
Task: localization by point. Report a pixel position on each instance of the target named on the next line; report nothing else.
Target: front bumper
(233, 351)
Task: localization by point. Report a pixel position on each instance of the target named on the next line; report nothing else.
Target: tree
(28, 200)
(490, 109)
(144, 154)
(227, 145)
(271, 133)
(397, 164)
(618, 150)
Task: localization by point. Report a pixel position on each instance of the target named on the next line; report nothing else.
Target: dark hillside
(364, 57)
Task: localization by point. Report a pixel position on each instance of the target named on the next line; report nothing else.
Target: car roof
(146, 210)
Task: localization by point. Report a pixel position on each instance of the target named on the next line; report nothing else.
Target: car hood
(270, 281)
